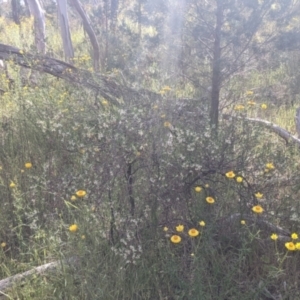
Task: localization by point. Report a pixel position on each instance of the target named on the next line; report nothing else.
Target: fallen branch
(10, 281)
(287, 136)
(105, 86)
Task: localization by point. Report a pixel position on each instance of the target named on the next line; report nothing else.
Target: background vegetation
(150, 200)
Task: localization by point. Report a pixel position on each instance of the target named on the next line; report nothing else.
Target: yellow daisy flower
(258, 195)
(73, 228)
(198, 189)
(230, 174)
(80, 193)
(274, 236)
(294, 236)
(239, 179)
(73, 198)
(264, 106)
(270, 166)
(12, 185)
(28, 165)
(179, 228)
(257, 209)
(290, 246)
(193, 232)
(175, 239)
(210, 200)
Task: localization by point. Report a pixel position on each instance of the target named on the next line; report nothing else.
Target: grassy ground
(148, 213)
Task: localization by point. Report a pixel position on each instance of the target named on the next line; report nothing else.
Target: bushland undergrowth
(154, 204)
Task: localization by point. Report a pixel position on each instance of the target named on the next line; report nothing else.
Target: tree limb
(287, 136)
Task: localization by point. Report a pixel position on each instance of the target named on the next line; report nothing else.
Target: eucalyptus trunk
(89, 29)
(64, 29)
(39, 24)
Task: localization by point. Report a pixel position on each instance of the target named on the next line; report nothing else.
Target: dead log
(18, 278)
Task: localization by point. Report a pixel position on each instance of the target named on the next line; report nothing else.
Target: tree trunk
(39, 24)
(64, 29)
(88, 28)
(114, 4)
(216, 64)
(16, 7)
